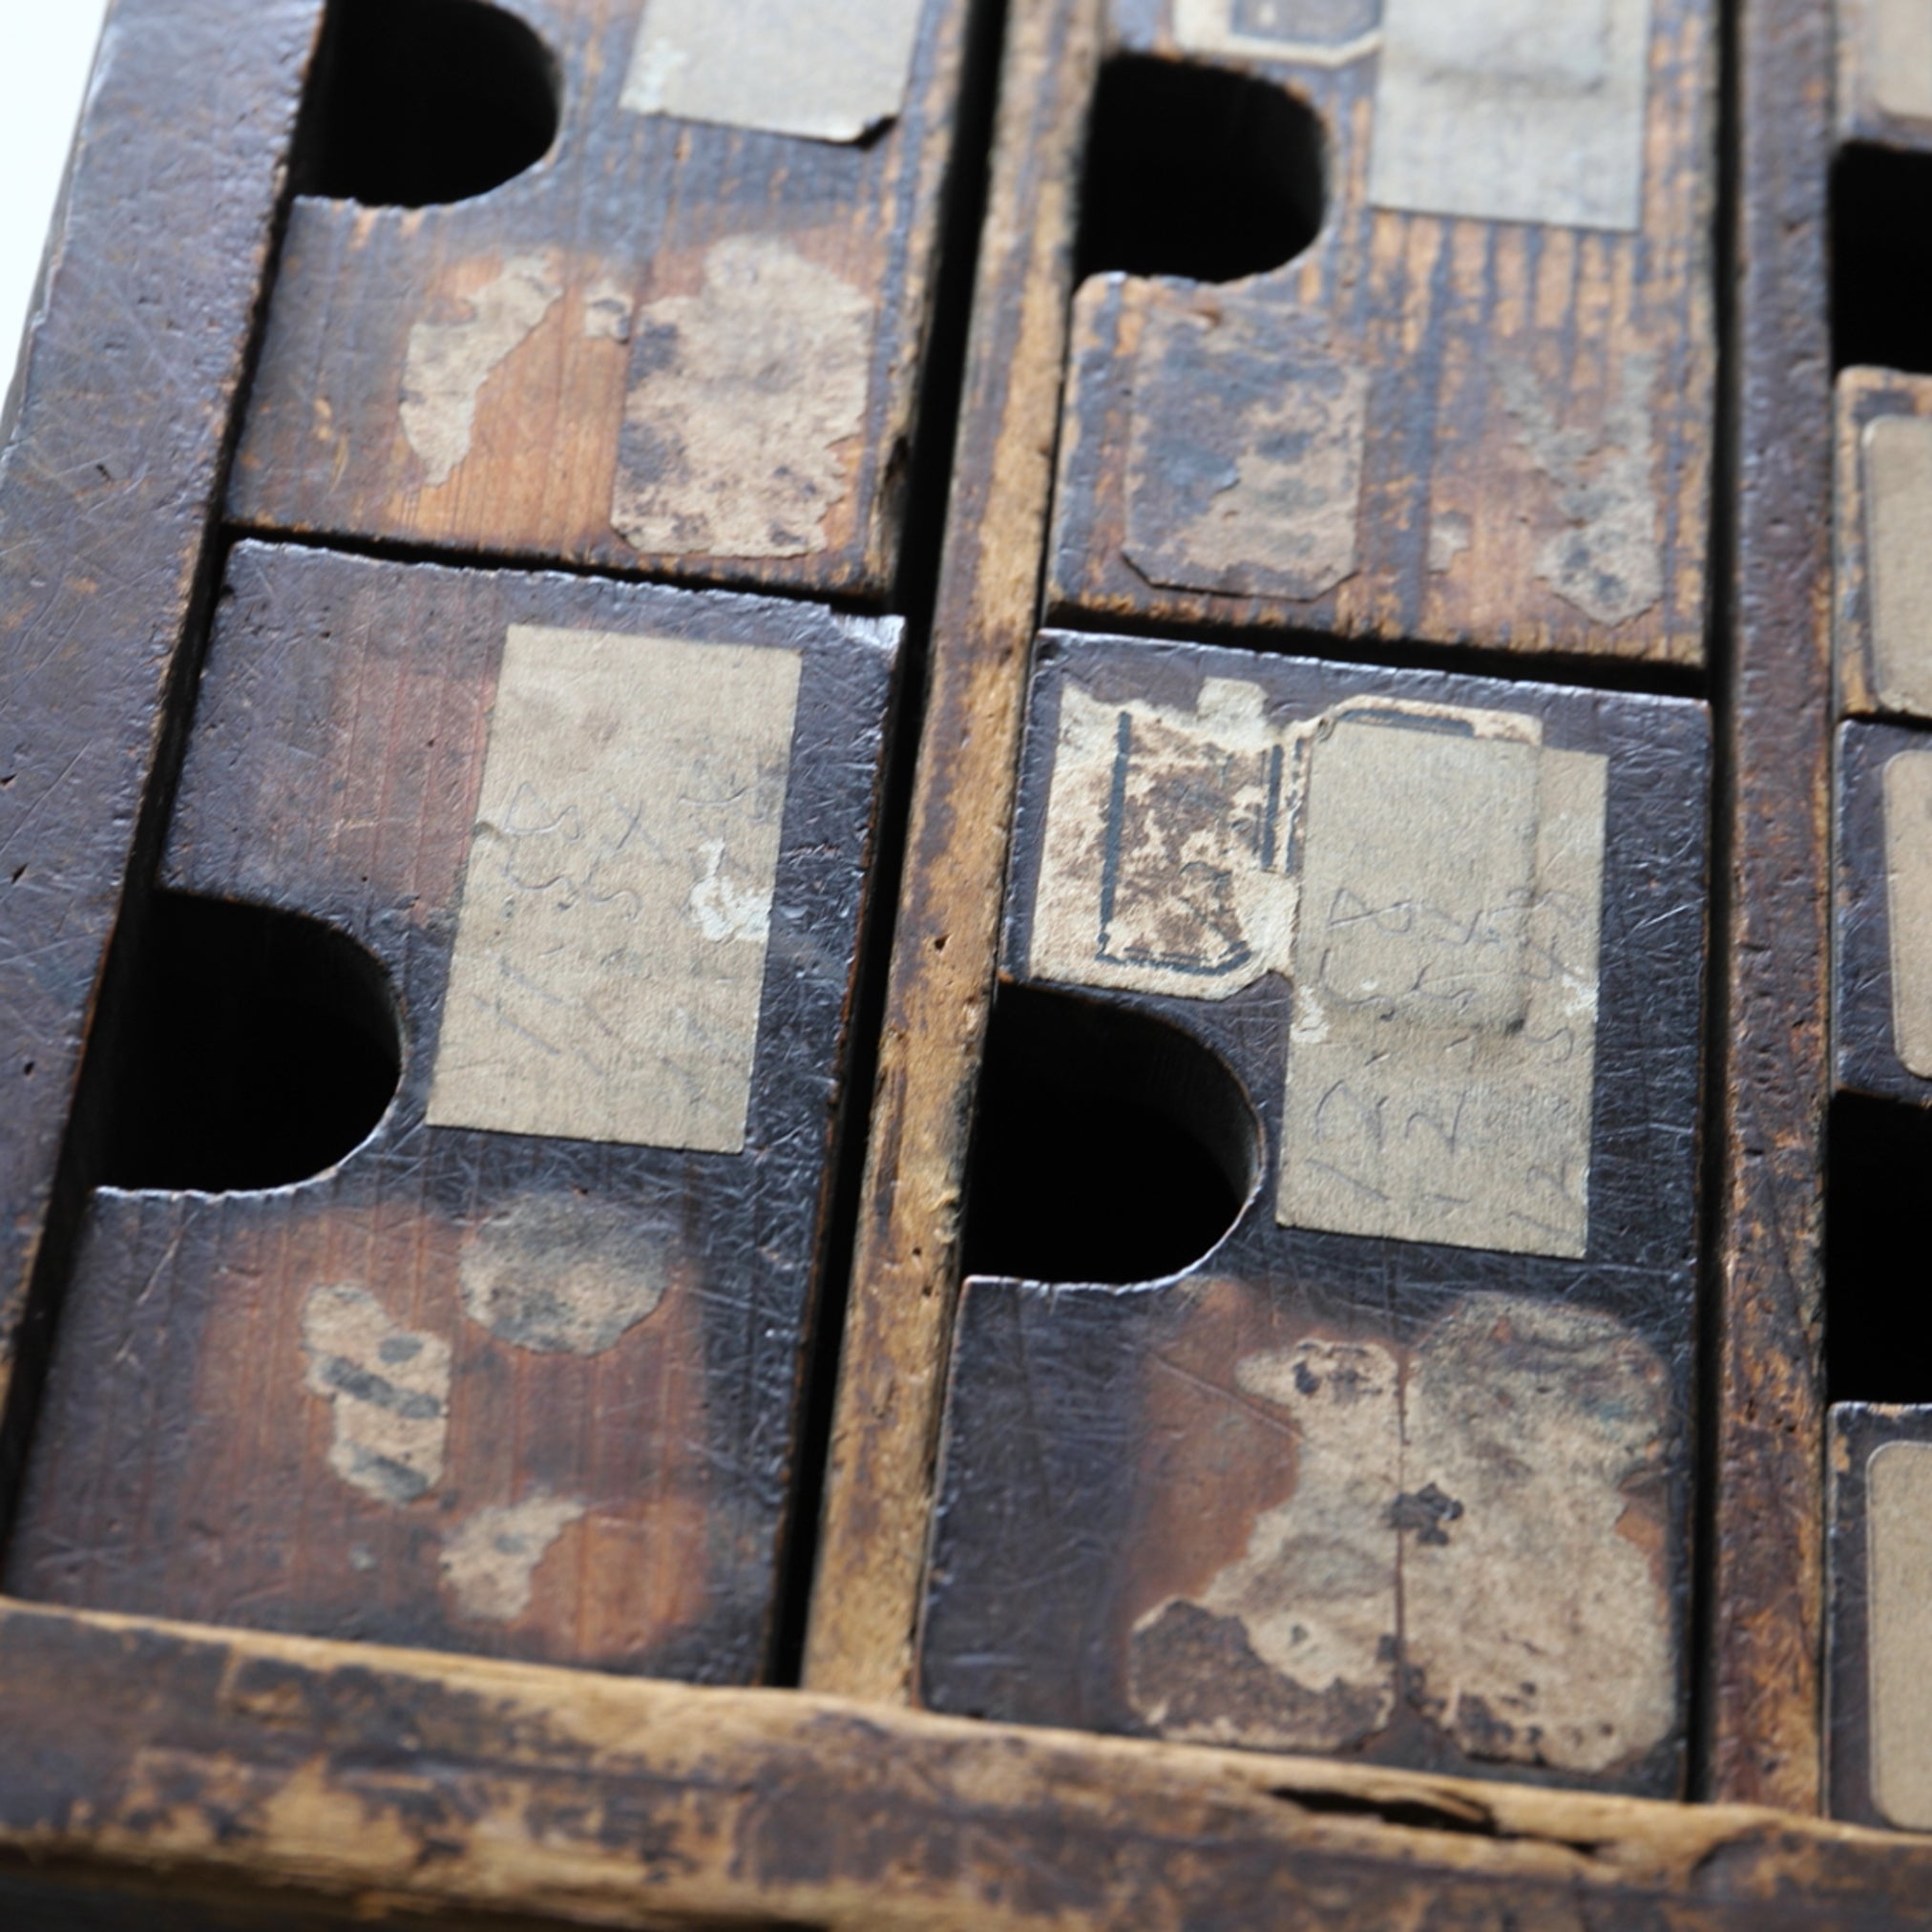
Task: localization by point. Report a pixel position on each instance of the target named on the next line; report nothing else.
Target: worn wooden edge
(906, 1271)
(115, 450)
(170, 1755)
(1762, 1715)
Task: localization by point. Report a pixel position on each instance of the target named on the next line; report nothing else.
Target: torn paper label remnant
(1908, 904)
(489, 1561)
(1895, 453)
(449, 362)
(745, 400)
(609, 965)
(1245, 457)
(826, 69)
(1513, 111)
(1293, 1646)
(388, 1388)
(1441, 1058)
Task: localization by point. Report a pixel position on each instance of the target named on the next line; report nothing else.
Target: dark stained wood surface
(778, 289)
(190, 1457)
(1535, 442)
(110, 477)
(1764, 1671)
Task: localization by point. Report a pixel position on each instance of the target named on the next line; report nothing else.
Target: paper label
(1908, 904)
(1513, 111)
(1430, 880)
(609, 965)
(828, 70)
(1900, 46)
(1898, 1545)
(1897, 453)
(1309, 32)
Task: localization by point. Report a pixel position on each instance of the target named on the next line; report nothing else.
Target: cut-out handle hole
(1881, 259)
(1110, 1147)
(261, 1048)
(420, 101)
(1197, 172)
(1877, 1317)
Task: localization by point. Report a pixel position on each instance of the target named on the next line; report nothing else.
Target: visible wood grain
(1861, 397)
(1536, 437)
(624, 248)
(110, 477)
(905, 1277)
(1119, 1463)
(189, 1460)
(171, 1756)
(1767, 1554)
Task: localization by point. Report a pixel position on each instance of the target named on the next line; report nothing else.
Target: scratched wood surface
(673, 347)
(504, 1391)
(1494, 432)
(110, 477)
(1178, 1508)
(1771, 1081)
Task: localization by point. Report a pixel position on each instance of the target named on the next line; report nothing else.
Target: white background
(46, 51)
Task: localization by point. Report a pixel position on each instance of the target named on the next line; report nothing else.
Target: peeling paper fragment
(490, 1563)
(1899, 56)
(448, 363)
(1538, 1625)
(1477, 1527)
(1292, 1647)
(388, 1389)
(560, 1275)
(742, 401)
(1607, 560)
(824, 69)
(1245, 457)
(632, 786)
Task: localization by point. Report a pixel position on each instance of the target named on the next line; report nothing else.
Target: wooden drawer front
(495, 1381)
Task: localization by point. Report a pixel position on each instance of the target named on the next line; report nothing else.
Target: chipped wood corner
(401, 1782)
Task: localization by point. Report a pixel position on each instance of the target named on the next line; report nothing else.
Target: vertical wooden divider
(906, 1271)
(1762, 1715)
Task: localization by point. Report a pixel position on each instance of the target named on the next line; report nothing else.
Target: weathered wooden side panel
(406, 1784)
(1479, 408)
(495, 1381)
(1768, 1506)
(109, 480)
(672, 344)
(1403, 1467)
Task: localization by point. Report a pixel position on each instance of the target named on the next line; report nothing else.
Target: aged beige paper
(828, 70)
(610, 948)
(1897, 452)
(1442, 1060)
(1900, 51)
(1513, 109)
(1908, 904)
(1899, 1563)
